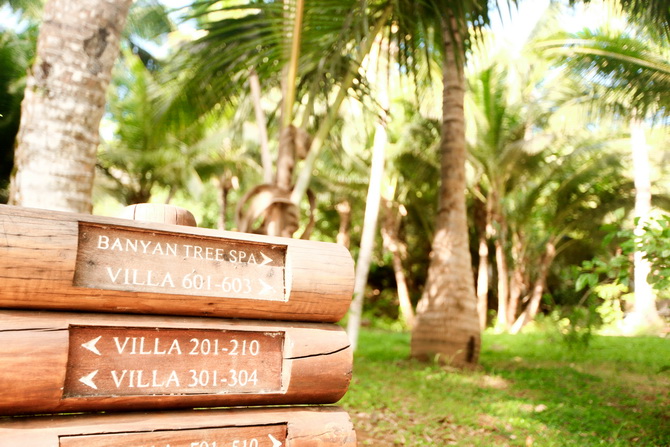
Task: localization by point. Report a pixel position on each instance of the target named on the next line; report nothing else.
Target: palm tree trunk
(344, 211)
(305, 174)
(503, 282)
(369, 233)
(482, 225)
(516, 282)
(644, 315)
(391, 224)
(261, 123)
(225, 185)
(447, 325)
(64, 103)
(538, 289)
(483, 281)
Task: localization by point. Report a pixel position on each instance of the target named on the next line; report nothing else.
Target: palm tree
(447, 321)
(64, 102)
(143, 151)
(564, 203)
(498, 141)
(627, 72)
(259, 40)
(447, 324)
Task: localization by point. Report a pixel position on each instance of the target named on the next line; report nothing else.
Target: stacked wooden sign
(280, 347)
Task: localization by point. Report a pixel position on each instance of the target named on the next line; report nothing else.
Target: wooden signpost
(64, 261)
(189, 350)
(277, 427)
(61, 362)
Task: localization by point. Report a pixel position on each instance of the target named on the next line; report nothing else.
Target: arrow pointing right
(266, 259)
(88, 380)
(267, 288)
(275, 442)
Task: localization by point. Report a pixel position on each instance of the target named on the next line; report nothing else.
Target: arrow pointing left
(90, 345)
(88, 380)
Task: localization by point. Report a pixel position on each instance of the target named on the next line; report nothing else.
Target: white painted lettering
(120, 347)
(156, 350)
(139, 380)
(116, 245)
(118, 380)
(136, 282)
(145, 245)
(154, 380)
(167, 281)
(173, 379)
(113, 276)
(197, 252)
(142, 351)
(103, 242)
(131, 245)
(171, 249)
(175, 347)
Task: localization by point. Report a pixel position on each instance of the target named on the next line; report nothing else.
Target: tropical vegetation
(497, 174)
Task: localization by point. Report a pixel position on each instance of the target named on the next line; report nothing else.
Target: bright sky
(517, 26)
(523, 22)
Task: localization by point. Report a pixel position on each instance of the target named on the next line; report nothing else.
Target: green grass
(530, 390)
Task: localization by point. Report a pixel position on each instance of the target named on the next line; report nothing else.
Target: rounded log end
(153, 212)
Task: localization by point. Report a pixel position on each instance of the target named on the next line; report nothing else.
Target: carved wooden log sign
(67, 362)
(65, 261)
(276, 427)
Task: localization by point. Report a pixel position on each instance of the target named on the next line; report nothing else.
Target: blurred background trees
(212, 107)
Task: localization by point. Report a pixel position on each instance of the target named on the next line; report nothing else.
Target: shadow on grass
(526, 393)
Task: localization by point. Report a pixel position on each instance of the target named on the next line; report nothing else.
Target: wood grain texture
(303, 427)
(39, 367)
(38, 265)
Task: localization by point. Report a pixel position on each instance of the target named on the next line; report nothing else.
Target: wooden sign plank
(66, 362)
(275, 427)
(65, 261)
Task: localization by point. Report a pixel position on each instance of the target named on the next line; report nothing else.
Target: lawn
(531, 390)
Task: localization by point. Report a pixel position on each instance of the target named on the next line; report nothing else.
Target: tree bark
(369, 232)
(482, 224)
(538, 289)
(261, 123)
(344, 211)
(517, 280)
(392, 243)
(447, 325)
(225, 184)
(503, 282)
(64, 103)
(644, 316)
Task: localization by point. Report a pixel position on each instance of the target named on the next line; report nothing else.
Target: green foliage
(16, 54)
(653, 240)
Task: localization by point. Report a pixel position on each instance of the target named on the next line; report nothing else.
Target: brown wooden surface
(67, 362)
(154, 212)
(65, 261)
(292, 427)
